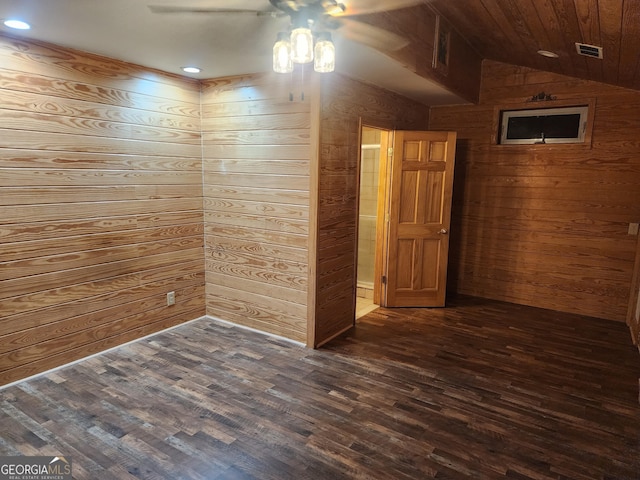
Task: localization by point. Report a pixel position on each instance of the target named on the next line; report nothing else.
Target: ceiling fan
(318, 18)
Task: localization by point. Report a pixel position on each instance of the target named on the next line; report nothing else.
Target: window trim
(553, 105)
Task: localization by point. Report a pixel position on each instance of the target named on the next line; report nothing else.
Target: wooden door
(419, 218)
(633, 312)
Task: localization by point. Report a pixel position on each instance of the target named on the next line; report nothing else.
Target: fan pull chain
(291, 87)
(292, 83)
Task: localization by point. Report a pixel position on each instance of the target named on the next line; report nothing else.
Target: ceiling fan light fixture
(282, 62)
(324, 54)
(301, 45)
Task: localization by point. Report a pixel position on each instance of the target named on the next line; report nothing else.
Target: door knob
(443, 231)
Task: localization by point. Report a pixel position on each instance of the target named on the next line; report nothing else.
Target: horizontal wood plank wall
(344, 104)
(256, 157)
(100, 205)
(545, 225)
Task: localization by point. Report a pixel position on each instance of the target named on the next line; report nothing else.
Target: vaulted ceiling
(510, 31)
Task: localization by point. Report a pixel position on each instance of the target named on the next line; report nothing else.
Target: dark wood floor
(480, 389)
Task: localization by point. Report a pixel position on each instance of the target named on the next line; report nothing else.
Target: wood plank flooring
(481, 389)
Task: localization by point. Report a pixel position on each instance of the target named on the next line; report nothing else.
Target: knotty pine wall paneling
(257, 161)
(345, 104)
(100, 205)
(545, 225)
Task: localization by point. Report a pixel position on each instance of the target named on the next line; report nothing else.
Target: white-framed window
(544, 125)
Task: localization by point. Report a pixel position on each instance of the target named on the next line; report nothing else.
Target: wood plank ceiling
(512, 31)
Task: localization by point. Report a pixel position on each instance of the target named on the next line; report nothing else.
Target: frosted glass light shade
(282, 62)
(301, 45)
(325, 54)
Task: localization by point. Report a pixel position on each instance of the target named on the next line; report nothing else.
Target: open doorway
(404, 216)
(371, 188)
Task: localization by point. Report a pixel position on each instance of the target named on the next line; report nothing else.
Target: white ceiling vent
(589, 50)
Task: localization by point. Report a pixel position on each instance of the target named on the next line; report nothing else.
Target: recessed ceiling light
(548, 54)
(191, 69)
(18, 24)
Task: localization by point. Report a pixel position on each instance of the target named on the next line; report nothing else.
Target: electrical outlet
(633, 228)
(171, 298)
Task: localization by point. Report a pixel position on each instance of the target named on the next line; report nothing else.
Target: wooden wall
(345, 103)
(115, 192)
(257, 163)
(418, 26)
(281, 184)
(545, 225)
(100, 205)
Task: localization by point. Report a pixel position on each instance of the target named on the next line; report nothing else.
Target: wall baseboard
(204, 317)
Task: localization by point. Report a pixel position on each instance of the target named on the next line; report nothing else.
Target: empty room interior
(309, 239)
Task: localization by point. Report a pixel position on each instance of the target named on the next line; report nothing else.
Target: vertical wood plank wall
(545, 226)
(100, 205)
(256, 154)
(344, 103)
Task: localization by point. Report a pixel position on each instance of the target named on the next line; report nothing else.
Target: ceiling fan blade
(212, 10)
(365, 7)
(375, 37)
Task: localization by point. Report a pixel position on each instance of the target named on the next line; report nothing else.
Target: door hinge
(384, 279)
(390, 151)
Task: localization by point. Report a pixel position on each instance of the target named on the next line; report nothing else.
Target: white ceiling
(220, 44)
